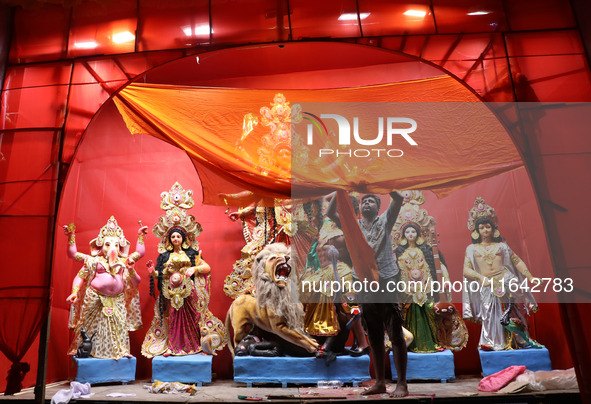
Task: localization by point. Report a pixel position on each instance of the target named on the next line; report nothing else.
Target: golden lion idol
(271, 309)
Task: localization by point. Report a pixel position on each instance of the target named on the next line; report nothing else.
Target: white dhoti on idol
(486, 305)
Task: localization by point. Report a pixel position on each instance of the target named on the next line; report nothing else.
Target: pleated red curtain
(19, 326)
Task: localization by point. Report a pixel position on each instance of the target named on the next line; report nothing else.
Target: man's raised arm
(393, 209)
(332, 211)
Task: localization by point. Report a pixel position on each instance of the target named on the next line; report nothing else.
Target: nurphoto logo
(348, 146)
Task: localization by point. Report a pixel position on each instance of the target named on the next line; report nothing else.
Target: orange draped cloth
(230, 134)
(362, 255)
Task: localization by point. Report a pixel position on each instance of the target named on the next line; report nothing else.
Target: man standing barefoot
(380, 310)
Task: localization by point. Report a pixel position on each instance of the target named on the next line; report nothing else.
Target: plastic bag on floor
(550, 379)
(77, 390)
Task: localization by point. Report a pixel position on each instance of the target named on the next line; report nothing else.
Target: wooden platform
(193, 369)
(459, 391)
(93, 370)
(532, 359)
(287, 369)
(428, 366)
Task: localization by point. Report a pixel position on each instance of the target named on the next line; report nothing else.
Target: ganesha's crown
(481, 209)
(174, 203)
(111, 229)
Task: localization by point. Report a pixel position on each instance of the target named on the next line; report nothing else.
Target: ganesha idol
(104, 299)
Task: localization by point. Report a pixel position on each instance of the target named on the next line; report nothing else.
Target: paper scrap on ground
(171, 388)
(77, 390)
(120, 395)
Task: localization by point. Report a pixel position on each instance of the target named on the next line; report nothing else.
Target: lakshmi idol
(420, 262)
(182, 324)
(104, 299)
(494, 266)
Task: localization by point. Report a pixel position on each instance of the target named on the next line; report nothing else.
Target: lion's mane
(268, 293)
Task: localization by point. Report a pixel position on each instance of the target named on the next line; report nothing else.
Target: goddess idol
(493, 265)
(428, 315)
(266, 143)
(182, 323)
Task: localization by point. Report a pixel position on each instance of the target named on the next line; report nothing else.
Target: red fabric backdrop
(524, 50)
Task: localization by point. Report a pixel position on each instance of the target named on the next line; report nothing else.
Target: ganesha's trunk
(113, 257)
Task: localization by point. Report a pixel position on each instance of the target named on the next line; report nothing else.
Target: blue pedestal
(194, 369)
(93, 370)
(288, 369)
(428, 366)
(532, 359)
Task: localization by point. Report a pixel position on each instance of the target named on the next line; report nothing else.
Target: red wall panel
(552, 62)
(34, 38)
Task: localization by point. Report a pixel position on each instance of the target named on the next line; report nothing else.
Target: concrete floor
(460, 390)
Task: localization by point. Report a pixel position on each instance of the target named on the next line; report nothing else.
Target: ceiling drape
(235, 137)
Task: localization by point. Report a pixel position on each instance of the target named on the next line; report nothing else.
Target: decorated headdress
(412, 213)
(111, 229)
(273, 149)
(176, 217)
(482, 209)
